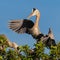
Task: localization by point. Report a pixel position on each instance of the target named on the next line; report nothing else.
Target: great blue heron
(50, 41)
(26, 25)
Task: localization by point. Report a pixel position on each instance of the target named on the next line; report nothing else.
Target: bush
(26, 53)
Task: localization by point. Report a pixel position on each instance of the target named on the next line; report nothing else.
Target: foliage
(26, 53)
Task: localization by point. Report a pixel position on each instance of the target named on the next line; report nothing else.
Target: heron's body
(21, 26)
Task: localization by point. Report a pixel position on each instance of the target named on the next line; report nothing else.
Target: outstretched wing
(21, 26)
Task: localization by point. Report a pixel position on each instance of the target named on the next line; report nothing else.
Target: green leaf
(1, 58)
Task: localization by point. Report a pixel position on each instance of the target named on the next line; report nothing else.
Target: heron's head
(35, 12)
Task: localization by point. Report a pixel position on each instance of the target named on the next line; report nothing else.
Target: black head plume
(34, 9)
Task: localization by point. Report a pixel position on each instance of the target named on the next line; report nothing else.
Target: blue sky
(20, 9)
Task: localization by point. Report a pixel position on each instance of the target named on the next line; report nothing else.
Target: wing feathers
(20, 26)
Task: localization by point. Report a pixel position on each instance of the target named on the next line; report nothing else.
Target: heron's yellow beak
(30, 16)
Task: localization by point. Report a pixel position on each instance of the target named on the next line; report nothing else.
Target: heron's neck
(37, 20)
